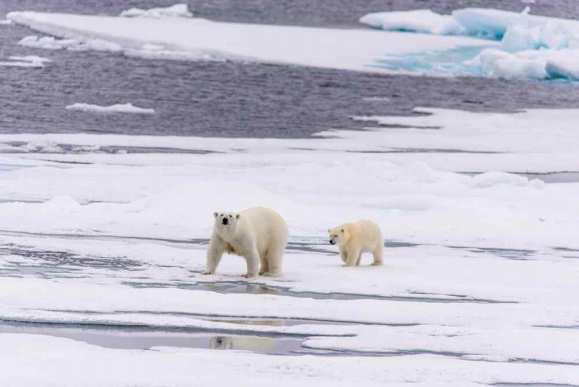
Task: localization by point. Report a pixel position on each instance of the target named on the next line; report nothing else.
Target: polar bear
(258, 234)
(356, 238)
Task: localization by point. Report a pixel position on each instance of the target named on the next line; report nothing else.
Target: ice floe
(25, 61)
(177, 10)
(116, 108)
(201, 39)
(422, 192)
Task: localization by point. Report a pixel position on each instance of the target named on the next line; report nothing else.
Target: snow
(177, 10)
(480, 289)
(117, 108)
(94, 366)
(359, 50)
(25, 61)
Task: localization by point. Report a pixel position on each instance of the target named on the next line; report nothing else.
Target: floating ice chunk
(563, 64)
(177, 10)
(519, 38)
(422, 20)
(500, 64)
(117, 108)
(51, 43)
(488, 23)
(25, 61)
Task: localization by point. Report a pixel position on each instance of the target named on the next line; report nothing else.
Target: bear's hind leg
(274, 257)
(378, 255)
(264, 264)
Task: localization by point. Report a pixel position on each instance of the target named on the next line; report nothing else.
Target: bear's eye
(229, 216)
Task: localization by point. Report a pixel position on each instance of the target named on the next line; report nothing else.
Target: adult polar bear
(258, 234)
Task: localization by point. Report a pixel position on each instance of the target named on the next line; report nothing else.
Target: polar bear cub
(356, 238)
(258, 234)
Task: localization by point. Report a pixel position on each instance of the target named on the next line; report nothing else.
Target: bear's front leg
(252, 259)
(214, 254)
(353, 256)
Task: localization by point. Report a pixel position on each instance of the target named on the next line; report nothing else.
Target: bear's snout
(225, 221)
(332, 242)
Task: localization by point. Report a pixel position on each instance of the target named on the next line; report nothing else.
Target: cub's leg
(344, 255)
(378, 255)
(214, 254)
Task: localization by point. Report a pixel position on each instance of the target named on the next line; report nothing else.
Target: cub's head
(226, 222)
(338, 235)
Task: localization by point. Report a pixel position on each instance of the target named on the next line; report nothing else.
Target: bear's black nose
(225, 221)
(332, 242)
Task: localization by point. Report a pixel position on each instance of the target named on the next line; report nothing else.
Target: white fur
(258, 234)
(356, 238)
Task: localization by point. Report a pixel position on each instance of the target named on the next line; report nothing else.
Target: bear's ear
(215, 214)
(329, 231)
(237, 216)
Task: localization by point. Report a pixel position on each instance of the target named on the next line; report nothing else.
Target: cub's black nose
(332, 242)
(225, 221)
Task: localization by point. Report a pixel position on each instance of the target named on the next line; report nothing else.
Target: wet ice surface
(128, 338)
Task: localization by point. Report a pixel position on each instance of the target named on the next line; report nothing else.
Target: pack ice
(531, 47)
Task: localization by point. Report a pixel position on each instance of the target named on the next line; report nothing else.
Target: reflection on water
(144, 339)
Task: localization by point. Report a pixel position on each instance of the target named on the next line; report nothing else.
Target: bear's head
(338, 235)
(226, 222)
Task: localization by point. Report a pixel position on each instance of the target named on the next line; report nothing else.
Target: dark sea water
(242, 100)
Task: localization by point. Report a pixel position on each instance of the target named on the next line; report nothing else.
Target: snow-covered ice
(479, 284)
(423, 20)
(116, 108)
(177, 10)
